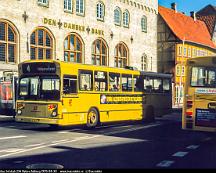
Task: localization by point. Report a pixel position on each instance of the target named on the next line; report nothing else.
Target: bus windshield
(203, 77)
(39, 88)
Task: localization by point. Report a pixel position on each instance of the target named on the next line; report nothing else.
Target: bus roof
(202, 61)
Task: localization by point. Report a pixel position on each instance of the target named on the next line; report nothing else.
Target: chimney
(174, 6)
(193, 15)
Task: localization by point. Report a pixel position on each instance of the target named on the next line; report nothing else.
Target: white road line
(12, 137)
(207, 139)
(192, 147)
(64, 132)
(59, 141)
(180, 154)
(34, 145)
(11, 150)
(165, 163)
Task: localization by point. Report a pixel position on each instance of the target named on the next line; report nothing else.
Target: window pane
(2, 31)
(97, 47)
(33, 56)
(103, 60)
(79, 58)
(85, 81)
(11, 53)
(2, 52)
(40, 53)
(48, 41)
(66, 44)
(103, 49)
(97, 60)
(48, 54)
(93, 60)
(33, 38)
(78, 46)
(72, 42)
(11, 36)
(40, 37)
(71, 57)
(66, 56)
(114, 82)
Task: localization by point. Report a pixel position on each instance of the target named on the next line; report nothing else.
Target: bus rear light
(51, 106)
(189, 104)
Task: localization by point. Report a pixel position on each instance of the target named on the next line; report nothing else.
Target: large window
(99, 52)
(8, 43)
(144, 24)
(43, 2)
(100, 79)
(203, 77)
(126, 18)
(41, 44)
(121, 55)
(68, 5)
(73, 49)
(80, 6)
(114, 82)
(86, 80)
(144, 62)
(100, 11)
(117, 16)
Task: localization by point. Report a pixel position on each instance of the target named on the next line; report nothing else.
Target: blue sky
(187, 5)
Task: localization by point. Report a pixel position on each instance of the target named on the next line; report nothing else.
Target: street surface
(135, 145)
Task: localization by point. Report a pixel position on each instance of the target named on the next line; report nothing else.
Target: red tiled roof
(185, 28)
(210, 21)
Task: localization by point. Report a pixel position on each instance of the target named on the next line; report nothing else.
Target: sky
(187, 5)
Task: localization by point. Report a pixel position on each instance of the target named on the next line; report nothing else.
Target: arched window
(126, 18)
(80, 6)
(121, 55)
(41, 44)
(99, 52)
(73, 47)
(117, 16)
(8, 43)
(100, 11)
(144, 62)
(144, 24)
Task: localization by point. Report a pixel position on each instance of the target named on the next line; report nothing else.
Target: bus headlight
(19, 112)
(54, 114)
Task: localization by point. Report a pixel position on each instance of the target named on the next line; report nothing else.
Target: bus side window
(85, 80)
(148, 85)
(158, 87)
(166, 85)
(114, 82)
(100, 81)
(126, 83)
(138, 84)
(69, 84)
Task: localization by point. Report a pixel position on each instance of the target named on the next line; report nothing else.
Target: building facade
(112, 33)
(180, 37)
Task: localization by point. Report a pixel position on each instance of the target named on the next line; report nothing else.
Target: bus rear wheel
(92, 118)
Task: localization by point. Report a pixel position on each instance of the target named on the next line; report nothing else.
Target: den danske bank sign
(72, 26)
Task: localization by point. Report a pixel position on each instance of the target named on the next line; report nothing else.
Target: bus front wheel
(92, 118)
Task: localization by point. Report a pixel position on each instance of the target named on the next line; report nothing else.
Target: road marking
(59, 141)
(11, 150)
(12, 137)
(192, 147)
(18, 161)
(180, 154)
(165, 163)
(34, 145)
(207, 139)
(64, 132)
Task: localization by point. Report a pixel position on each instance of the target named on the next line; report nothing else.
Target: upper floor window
(117, 16)
(8, 43)
(80, 5)
(100, 11)
(68, 5)
(121, 55)
(144, 24)
(41, 44)
(144, 62)
(99, 52)
(73, 48)
(126, 18)
(43, 2)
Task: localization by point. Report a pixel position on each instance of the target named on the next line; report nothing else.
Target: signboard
(38, 68)
(205, 91)
(121, 99)
(205, 117)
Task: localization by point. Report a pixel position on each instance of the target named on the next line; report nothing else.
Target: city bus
(63, 93)
(199, 106)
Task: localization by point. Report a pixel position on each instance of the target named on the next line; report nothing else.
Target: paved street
(158, 145)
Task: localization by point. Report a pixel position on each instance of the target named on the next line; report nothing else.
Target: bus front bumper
(37, 120)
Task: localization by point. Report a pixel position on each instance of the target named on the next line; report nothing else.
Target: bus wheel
(149, 114)
(92, 118)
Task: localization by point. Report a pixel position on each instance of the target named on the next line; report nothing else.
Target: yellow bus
(62, 93)
(199, 106)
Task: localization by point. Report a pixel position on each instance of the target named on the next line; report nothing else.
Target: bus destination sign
(39, 68)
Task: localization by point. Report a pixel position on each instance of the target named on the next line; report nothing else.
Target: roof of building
(186, 28)
(208, 15)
